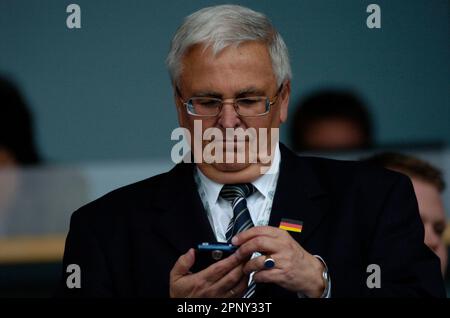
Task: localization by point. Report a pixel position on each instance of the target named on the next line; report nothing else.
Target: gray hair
(221, 26)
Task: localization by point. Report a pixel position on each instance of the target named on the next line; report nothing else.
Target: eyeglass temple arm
(277, 94)
(178, 93)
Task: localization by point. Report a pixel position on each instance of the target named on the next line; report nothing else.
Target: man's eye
(248, 101)
(208, 103)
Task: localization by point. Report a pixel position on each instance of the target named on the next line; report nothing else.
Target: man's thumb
(184, 263)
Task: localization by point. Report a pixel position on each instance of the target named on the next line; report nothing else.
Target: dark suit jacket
(353, 215)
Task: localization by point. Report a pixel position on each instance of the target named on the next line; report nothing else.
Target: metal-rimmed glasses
(251, 106)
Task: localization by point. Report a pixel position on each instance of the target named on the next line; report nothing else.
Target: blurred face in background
(334, 134)
(432, 212)
(8, 180)
(6, 158)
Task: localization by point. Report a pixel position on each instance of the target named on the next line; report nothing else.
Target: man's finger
(269, 276)
(183, 264)
(238, 290)
(229, 280)
(219, 269)
(254, 265)
(262, 244)
(255, 231)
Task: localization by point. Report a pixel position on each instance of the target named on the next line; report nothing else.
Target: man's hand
(224, 279)
(295, 269)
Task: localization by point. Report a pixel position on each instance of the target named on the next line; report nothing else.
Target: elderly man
(303, 227)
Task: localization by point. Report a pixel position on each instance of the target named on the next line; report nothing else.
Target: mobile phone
(207, 254)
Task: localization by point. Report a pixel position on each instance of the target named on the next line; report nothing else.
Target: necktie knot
(232, 192)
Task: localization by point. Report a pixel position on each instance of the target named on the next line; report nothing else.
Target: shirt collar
(262, 184)
(265, 182)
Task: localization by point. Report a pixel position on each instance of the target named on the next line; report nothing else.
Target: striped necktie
(236, 194)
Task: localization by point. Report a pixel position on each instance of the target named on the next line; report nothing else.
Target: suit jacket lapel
(184, 221)
(298, 196)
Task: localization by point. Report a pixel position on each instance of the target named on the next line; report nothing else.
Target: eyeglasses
(252, 106)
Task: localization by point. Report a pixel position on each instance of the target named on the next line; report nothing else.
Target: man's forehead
(246, 69)
(246, 53)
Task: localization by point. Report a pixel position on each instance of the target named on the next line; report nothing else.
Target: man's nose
(228, 117)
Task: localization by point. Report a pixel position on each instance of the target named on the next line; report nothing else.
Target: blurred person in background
(331, 120)
(17, 147)
(428, 185)
(33, 197)
(17, 144)
(34, 202)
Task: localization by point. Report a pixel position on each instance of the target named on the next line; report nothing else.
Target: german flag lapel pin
(291, 225)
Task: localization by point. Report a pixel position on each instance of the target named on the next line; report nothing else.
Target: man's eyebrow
(207, 94)
(243, 92)
(250, 91)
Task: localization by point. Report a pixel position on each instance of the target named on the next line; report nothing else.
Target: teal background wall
(102, 92)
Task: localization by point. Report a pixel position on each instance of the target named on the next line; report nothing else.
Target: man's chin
(228, 173)
(230, 167)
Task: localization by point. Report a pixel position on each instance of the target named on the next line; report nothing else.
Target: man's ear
(180, 108)
(284, 100)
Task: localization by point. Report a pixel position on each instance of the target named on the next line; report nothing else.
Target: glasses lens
(204, 106)
(252, 106)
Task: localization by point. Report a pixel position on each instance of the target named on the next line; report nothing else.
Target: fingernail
(234, 240)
